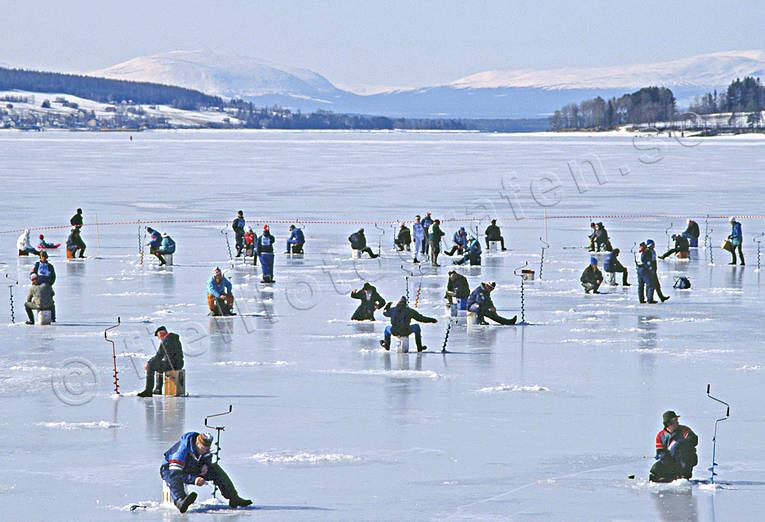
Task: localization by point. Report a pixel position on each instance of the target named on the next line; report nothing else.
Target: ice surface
(543, 422)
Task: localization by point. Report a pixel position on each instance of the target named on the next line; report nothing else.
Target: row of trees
(747, 95)
(647, 105)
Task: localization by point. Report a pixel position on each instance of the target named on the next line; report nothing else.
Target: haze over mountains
(488, 94)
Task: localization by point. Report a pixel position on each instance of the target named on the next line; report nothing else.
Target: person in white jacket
(24, 246)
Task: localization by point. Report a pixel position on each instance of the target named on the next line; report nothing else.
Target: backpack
(682, 283)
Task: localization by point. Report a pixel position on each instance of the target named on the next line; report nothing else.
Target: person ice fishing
(592, 236)
(238, 226)
(403, 239)
(675, 451)
(40, 297)
(169, 356)
(249, 243)
(265, 245)
(189, 461)
(480, 303)
(76, 220)
(655, 283)
(166, 246)
(418, 232)
(400, 318)
(296, 241)
(613, 265)
(371, 301)
(426, 222)
(457, 288)
(493, 233)
(473, 253)
(44, 270)
(24, 245)
(74, 243)
(220, 299)
(460, 242)
(155, 242)
(45, 244)
(602, 241)
(736, 237)
(681, 245)
(359, 242)
(592, 277)
(692, 233)
(434, 240)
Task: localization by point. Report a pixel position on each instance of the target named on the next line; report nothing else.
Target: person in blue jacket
(44, 270)
(296, 241)
(736, 238)
(238, 226)
(166, 246)
(480, 303)
(460, 242)
(189, 461)
(400, 318)
(265, 245)
(154, 241)
(613, 265)
(426, 222)
(418, 233)
(473, 253)
(219, 296)
(645, 283)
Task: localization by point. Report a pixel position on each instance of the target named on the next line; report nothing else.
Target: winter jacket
(404, 236)
(481, 297)
(296, 237)
(370, 301)
(156, 238)
(460, 286)
(249, 238)
(678, 447)
(76, 220)
(358, 240)
(460, 238)
(735, 234)
(170, 351)
(40, 297)
(426, 222)
(493, 233)
(45, 272)
(611, 263)
(647, 263)
(591, 275)
(218, 289)
(183, 457)
(266, 243)
(418, 231)
(682, 244)
(401, 317)
(435, 234)
(22, 243)
(167, 245)
(238, 225)
(74, 240)
(692, 229)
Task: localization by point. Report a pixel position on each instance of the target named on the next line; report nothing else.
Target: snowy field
(538, 422)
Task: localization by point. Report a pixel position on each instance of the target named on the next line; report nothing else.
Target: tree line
(747, 95)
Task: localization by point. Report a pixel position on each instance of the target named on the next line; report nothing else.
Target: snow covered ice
(542, 422)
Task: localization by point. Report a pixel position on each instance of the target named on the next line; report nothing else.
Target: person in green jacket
(434, 241)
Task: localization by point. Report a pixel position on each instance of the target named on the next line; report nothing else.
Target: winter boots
(183, 503)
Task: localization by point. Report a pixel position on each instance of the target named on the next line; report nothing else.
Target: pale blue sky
(391, 43)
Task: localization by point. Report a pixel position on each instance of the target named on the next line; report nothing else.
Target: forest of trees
(747, 95)
(105, 90)
(649, 104)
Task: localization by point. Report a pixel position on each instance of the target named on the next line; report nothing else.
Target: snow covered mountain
(489, 94)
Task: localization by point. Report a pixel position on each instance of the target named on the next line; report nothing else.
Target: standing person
(675, 451)
(371, 301)
(76, 220)
(238, 226)
(653, 273)
(434, 239)
(403, 239)
(220, 299)
(40, 297)
(736, 238)
(681, 245)
(592, 236)
(359, 242)
(457, 288)
(74, 243)
(645, 282)
(189, 461)
(24, 245)
(613, 265)
(400, 318)
(169, 356)
(426, 222)
(493, 233)
(481, 304)
(592, 278)
(418, 231)
(266, 255)
(296, 241)
(460, 242)
(692, 233)
(249, 243)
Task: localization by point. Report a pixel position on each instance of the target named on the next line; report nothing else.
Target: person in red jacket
(675, 451)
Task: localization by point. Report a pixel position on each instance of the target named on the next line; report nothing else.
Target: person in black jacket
(692, 233)
(404, 238)
(169, 356)
(238, 226)
(434, 241)
(602, 241)
(493, 233)
(681, 245)
(457, 288)
(480, 303)
(370, 299)
(76, 220)
(359, 242)
(400, 318)
(592, 277)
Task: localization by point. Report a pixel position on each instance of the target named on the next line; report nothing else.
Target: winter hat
(44, 254)
(161, 328)
(41, 236)
(265, 227)
(149, 229)
(593, 260)
(164, 234)
(361, 230)
(462, 229)
(402, 300)
(615, 251)
(205, 439)
(216, 271)
(668, 416)
(491, 285)
(649, 242)
(733, 219)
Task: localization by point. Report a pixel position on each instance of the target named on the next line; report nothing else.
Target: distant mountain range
(489, 94)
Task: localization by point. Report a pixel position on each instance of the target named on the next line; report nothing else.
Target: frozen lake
(540, 422)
